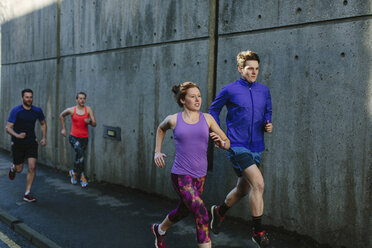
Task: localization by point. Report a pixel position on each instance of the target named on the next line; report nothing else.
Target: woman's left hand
(217, 140)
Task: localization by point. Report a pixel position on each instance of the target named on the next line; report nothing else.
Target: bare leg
(236, 194)
(19, 168)
(251, 180)
(165, 224)
(253, 175)
(205, 245)
(30, 173)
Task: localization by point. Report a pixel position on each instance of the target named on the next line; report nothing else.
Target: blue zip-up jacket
(248, 108)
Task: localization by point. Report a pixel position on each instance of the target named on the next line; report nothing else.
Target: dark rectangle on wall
(112, 132)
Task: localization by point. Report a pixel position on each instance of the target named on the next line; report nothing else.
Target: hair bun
(176, 89)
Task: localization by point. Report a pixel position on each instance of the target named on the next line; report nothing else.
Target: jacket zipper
(250, 91)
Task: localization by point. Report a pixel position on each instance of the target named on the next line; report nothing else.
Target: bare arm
(168, 123)
(92, 120)
(217, 135)
(9, 129)
(44, 130)
(66, 112)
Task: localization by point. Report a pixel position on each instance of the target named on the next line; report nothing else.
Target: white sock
(27, 192)
(12, 168)
(161, 232)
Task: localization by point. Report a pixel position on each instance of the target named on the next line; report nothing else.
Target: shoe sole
(10, 172)
(27, 200)
(11, 177)
(257, 244)
(83, 184)
(156, 238)
(72, 182)
(212, 213)
(254, 242)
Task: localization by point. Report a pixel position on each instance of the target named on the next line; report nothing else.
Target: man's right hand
(21, 135)
(63, 132)
(269, 127)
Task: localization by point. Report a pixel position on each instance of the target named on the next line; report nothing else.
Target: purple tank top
(191, 142)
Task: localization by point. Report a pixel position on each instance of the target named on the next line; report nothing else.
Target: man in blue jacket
(249, 112)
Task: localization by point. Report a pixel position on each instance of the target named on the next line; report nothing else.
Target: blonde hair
(181, 90)
(245, 56)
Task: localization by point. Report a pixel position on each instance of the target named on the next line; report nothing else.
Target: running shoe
(29, 198)
(83, 181)
(12, 173)
(73, 176)
(216, 220)
(260, 239)
(159, 239)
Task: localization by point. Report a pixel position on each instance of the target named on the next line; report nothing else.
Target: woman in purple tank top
(191, 134)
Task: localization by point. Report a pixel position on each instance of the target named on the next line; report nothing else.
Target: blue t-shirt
(24, 122)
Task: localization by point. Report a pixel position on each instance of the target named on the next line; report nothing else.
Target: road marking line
(8, 241)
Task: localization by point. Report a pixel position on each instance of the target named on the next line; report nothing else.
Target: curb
(27, 232)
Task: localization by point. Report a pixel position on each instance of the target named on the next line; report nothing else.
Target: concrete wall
(316, 59)
(317, 63)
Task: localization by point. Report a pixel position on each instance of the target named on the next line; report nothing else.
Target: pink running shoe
(159, 239)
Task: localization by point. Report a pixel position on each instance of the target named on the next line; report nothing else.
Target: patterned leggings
(79, 145)
(190, 190)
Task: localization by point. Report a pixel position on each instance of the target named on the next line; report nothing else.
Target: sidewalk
(104, 215)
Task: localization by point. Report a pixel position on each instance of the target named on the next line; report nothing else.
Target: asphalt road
(11, 239)
(104, 215)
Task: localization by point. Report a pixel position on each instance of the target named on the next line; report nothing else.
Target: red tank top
(79, 128)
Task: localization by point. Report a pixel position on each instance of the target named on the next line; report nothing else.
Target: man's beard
(25, 103)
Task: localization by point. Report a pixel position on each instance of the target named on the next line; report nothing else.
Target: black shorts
(21, 152)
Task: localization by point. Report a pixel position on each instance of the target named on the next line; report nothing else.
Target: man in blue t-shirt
(21, 126)
(248, 117)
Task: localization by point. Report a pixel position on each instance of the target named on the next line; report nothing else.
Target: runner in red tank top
(81, 117)
(79, 127)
